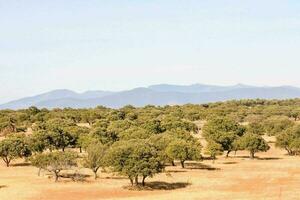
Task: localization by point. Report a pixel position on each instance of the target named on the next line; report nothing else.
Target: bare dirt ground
(273, 176)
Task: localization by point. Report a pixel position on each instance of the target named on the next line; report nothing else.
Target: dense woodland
(140, 142)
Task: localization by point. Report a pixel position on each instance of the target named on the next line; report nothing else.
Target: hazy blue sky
(121, 44)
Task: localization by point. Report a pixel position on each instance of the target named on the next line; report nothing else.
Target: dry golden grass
(273, 176)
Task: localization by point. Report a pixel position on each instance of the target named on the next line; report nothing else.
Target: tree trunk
(173, 163)
(39, 172)
(56, 172)
(95, 174)
(143, 181)
(136, 180)
(182, 164)
(7, 161)
(131, 181)
(289, 151)
(227, 154)
(252, 154)
(80, 149)
(63, 149)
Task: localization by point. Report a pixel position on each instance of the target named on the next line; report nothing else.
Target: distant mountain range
(163, 94)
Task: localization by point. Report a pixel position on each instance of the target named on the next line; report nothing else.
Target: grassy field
(273, 176)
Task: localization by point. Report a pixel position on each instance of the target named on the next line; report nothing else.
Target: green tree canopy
(182, 150)
(15, 146)
(288, 139)
(134, 159)
(223, 131)
(55, 162)
(253, 143)
(95, 157)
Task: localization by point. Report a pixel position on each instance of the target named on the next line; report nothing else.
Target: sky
(121, 44)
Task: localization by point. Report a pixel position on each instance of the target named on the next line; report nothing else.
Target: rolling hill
(163, 94)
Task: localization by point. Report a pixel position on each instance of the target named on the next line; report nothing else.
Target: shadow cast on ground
(159, 185)
(258, 158)
(269, 158)
(75, 177)
(20, 165)
(176, 171)
(229, 163)
(201, 166)
(115, 178)
(72, 175)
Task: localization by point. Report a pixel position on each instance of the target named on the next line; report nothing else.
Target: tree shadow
(159, 185)
(115, 178)
(269, 158)
(71, 175)
(201, 166)
(20, 165)
(3, 186)
(258, 158)
(175, 171)
(76, 177)
(240, 157)
(229, 163)
(206, 158)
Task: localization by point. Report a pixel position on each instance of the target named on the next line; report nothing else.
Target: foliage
(223, 131)
(55, 162)
(15, 146)
(95, 157)
(288, 139)
(182, 150)
(213, 149)
(253, 143)
(276, 124)
(255, 128)
(134, 159)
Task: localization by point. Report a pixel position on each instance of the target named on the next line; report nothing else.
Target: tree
(55, 162)
(253, 143)
(134, 132)
(40, 161)
(277, 124)
(134, 159)
(153, 126)
(8, 124)
(223, 131)
(295, 146)
(76, 132)
(213, 149)
(295, 114)
(161, 142)
(183, 150)
(104, 136)
(58, 133)
(95, 157)
(39, 141)
(287, 138)
(170, 123)
(255, 128)
(61, 139)
(15, 146)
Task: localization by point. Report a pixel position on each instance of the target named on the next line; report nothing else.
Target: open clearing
(273, 176)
